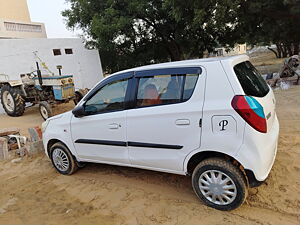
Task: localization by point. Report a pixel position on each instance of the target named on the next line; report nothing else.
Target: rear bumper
(258, 152)
(252, 180)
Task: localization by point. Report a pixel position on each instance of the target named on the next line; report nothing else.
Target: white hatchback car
(211, 118)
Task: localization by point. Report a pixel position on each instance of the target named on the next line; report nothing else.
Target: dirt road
(33, 193)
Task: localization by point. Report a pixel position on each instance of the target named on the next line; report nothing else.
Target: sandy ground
(33, 193)
(31, 118)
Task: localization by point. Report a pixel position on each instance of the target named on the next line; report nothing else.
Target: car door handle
(114, 126)
(182, 122)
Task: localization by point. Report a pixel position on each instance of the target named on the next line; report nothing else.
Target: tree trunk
(272, 50)
(288, 47)
(284, 51)
(175, 51)
(279, 50)
(296, 48)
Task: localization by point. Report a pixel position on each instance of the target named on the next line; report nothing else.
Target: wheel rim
(44, 112)
(8, 101)
(217, 187)
(60, 159)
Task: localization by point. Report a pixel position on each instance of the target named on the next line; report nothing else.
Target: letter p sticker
(223, 124)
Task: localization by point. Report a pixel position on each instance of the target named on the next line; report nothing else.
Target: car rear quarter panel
(217, 104)
(228, 66)
(259, 150)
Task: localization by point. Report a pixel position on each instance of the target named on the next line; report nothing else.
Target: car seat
(151, 96)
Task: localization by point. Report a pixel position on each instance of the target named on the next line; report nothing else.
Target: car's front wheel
(219, 184)
(62, 159)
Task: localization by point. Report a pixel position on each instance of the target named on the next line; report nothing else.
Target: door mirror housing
(79, 111)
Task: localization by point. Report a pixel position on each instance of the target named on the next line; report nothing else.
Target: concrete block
(35, 134)
(3, 149)
(36, 147)
(9, 131)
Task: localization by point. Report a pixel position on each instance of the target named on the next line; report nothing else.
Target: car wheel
(62, 159)
(219, 184)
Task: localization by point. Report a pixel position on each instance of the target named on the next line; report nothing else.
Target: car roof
(186, 63)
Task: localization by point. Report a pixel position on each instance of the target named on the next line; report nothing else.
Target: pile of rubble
(287, 76)
(13, 145)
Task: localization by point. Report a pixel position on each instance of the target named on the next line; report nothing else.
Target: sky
(49, 12)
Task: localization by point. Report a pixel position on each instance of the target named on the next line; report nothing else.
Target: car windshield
(251, 80)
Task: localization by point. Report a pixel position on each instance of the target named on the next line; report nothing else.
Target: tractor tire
(45, 110)
(12, 101)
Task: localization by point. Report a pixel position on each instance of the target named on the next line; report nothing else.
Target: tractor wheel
(45, 110)
(12, 100)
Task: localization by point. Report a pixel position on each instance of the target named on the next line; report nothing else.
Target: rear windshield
(251, 80)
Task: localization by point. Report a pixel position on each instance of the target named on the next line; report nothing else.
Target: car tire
(219, 184)
(62, 159)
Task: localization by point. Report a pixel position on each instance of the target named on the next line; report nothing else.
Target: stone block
(35, 134)
(9, 131)
(3, 149)
(36, 147)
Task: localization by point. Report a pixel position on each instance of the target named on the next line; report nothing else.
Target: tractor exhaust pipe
(39, 73)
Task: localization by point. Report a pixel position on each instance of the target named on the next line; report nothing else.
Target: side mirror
(79, 111)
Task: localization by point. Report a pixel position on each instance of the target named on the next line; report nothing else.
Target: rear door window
(167, 86)
(251, 80)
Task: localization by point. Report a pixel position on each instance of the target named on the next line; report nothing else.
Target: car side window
(109, 98)
(165, 89)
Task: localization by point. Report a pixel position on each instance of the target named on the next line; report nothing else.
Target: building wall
(237, 50)
(19, 56)
(15, 21)
(16, 10)
(15, 29)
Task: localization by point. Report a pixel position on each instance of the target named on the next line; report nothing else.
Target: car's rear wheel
(62, 159)
(219, 184)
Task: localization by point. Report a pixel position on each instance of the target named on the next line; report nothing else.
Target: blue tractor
(46, 91)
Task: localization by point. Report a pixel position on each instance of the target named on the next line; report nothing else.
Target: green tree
(270, 21)
(130, 33)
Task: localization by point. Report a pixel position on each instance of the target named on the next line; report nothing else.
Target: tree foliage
(130, 33)
(136, 32)
(271, 21)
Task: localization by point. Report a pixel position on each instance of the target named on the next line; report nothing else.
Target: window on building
(56, 52)
(69, 51)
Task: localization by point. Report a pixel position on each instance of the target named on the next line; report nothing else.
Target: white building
(236, 50)
(23, 43)
(19, 56)
(15, 21)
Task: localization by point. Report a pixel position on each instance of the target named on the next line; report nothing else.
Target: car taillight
(251, 111)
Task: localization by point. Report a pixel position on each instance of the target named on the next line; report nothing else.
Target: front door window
(108, 99)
